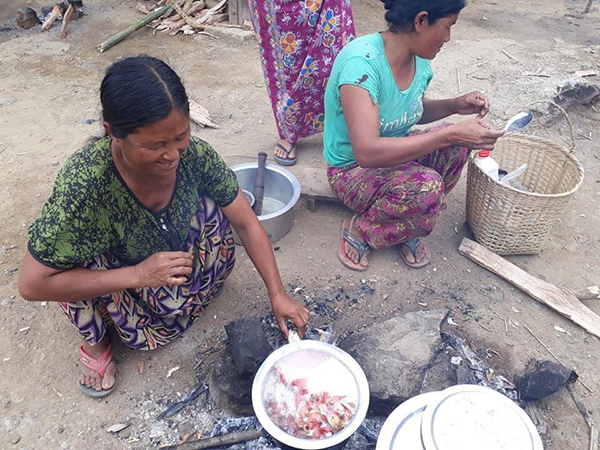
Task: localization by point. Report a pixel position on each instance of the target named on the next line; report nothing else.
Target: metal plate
(468, 417)
(300, 350)
(402, 429)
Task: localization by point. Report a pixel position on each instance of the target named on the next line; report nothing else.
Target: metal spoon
(519, 121)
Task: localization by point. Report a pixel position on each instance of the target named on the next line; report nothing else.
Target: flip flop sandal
(287, 161)
(413, 245)
(357, 244)
(97, 365)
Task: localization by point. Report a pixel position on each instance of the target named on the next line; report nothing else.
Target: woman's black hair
(401, 14)
(138, 91)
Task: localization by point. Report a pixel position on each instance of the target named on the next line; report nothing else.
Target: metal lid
(468, 417)
(402, 429)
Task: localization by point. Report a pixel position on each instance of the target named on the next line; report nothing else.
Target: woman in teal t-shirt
(394, 178)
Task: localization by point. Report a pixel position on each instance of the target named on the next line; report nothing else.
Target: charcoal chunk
(248, 344)
(544, 378)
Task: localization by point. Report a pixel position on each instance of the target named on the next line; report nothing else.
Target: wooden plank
(315, 185)
(234, 15)
(239, 12)
(561, 300)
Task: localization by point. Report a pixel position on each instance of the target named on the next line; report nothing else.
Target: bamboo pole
(132, 29)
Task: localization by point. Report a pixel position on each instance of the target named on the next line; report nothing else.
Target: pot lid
(468, 417)
(402, 429)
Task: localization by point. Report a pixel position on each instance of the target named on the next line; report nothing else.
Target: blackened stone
(396, 354)
(248, 344)
(441, 374)
(230, 391)
(578, 92)
(544, 378)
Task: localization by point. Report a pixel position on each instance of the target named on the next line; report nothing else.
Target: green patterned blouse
(92, 211)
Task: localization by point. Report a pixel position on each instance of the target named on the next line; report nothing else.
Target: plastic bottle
(487, 164)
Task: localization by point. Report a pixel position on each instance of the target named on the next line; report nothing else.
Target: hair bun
(388, 4)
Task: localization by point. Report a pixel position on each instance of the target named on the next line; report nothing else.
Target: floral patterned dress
(299, 40)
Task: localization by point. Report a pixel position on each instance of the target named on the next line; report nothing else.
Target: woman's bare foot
(91, 378)
(417, 257)
(349, 254)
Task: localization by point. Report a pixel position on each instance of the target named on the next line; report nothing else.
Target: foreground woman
(396, 179)
(137, 233)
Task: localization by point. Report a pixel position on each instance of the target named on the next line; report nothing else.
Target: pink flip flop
(98, 365)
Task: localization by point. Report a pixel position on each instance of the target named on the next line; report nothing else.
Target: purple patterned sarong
(148, 318)
(299, 40)
(399, 203)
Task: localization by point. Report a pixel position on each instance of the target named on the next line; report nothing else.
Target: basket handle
(562, 110)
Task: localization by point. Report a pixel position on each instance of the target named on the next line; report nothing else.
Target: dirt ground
(49, 105)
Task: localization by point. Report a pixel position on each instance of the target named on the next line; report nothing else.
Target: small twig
(474, 71)
(228, 25)
(588, 8)
(484, 327)
(555, 357)
(534, 74)
(505, 322)
(490, 350)
(217, 441)
(458, 80)
(593, 438)
(510, 56)
(206, 33)
(581, 407)
(586, 136)
(58, 393)
(544, 345)
(586, 416)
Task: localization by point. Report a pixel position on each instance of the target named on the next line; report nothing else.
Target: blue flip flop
(413, 245)
(354, 242)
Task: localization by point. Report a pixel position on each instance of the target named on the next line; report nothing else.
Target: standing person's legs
(297, 56)
(393, 205)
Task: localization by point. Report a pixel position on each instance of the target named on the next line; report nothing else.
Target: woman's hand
(286, 308)
(474, 134)
(473, 103)
(164, 268)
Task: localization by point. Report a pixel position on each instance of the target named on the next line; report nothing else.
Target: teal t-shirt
(363, 63)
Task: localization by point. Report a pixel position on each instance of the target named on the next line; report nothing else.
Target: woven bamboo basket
(509, 221)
